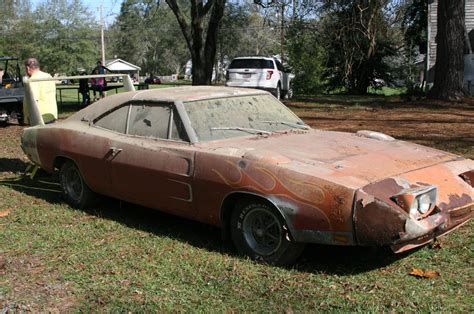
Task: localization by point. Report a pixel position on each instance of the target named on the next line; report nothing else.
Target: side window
(115, 120)
(149, 120)
(279, 65)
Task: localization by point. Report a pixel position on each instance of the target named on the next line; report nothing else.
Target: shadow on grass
(345, 260)
(8, 165)
(315, 258)
(44, 186)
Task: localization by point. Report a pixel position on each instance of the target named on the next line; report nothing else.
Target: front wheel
(260, 232)
(75, 191)
(289, 93)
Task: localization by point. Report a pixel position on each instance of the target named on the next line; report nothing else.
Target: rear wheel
(17, 112)
(260, 232)
(20, 119)
(277, 93)
(75, 191)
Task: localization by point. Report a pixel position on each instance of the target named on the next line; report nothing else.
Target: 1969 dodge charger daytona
(240, 160)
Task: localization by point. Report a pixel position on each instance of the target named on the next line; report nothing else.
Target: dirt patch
(450, 129)
(44, 289)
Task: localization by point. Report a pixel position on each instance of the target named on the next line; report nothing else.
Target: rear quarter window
(251, 64)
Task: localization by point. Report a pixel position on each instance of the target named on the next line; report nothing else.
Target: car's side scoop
(375, 135)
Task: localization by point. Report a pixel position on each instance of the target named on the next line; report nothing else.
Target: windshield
(216, 119)
(9, 71)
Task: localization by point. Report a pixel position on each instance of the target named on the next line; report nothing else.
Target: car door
(92, 149)
(153, 161)
(283, 76)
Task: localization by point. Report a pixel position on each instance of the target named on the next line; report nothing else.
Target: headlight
(418, 201)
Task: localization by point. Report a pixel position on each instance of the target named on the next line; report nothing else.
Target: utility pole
(282, 30)
(102, 35)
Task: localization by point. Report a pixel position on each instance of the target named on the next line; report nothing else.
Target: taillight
(269, 75)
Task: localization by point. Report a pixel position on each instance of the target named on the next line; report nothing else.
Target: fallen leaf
(436, 245)
(420, 273)
(5, 213)
(431, 274)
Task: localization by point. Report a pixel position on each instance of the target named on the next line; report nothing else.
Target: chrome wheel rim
(262, 231)
(72, 184)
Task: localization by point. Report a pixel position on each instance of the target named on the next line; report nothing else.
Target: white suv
(262, 73)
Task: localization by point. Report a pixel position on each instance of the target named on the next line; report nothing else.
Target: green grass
(121, 257)
(388, 91)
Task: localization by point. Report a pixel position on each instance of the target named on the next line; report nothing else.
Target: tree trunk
(202, 45)
(449, 68)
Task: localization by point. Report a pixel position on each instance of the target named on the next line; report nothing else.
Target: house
(121, 66)
(431, 49)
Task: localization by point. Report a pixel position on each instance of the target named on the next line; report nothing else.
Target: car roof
(190, 93)
(170, 94)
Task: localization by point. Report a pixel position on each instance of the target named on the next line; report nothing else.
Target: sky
(111, 8)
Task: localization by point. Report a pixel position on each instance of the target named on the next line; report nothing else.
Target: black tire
(289, 93)
(19, 113)
(75, 191)
(277, 93)
(260, 232)
(20, 119)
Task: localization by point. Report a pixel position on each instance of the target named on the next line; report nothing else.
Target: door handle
(114, 151)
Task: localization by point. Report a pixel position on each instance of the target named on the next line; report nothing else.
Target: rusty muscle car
(241, 160)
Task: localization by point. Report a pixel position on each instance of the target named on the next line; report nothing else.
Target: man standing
(44, 92)
(101, 68)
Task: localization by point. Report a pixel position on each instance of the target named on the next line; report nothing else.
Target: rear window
(251, 64)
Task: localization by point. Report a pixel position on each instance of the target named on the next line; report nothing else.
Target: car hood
(350, 159)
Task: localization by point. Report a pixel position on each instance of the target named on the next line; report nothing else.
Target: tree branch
(208, 6)
(182, 21)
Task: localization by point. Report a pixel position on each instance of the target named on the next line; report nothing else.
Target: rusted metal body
(330, 187)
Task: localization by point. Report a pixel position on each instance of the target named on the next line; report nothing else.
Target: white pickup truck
(262, 73)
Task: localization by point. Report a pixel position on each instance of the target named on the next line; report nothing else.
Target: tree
(58, 32)
(415, 24)
(201, 44)
(246, 30)
(130, 41)
(65, 37)
(414, 28)
(151, 44)
(16, 36)
(449, 69)
(305, 53)
(285, 13)
(357, 40)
